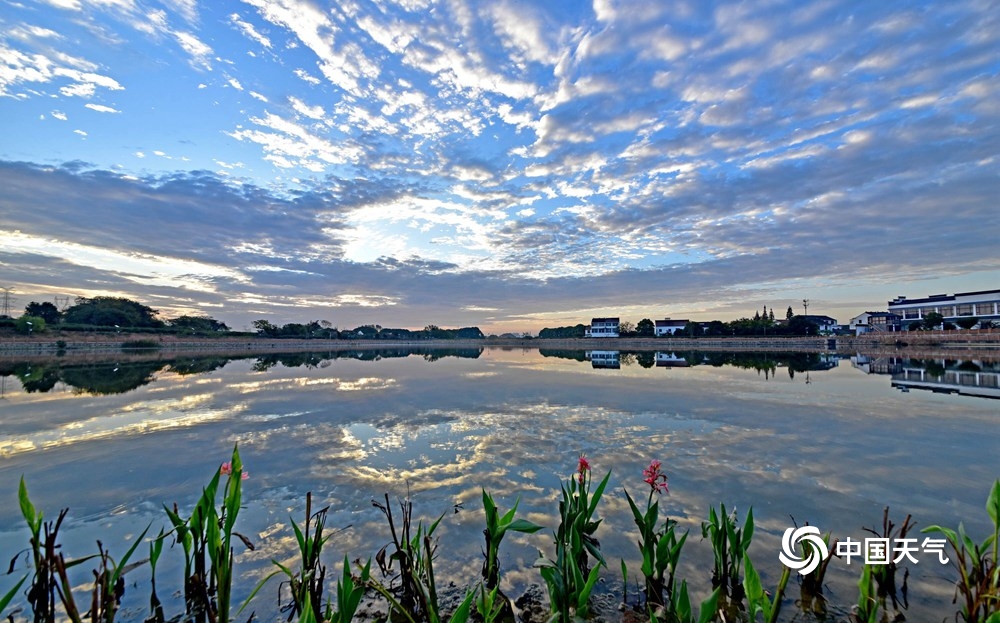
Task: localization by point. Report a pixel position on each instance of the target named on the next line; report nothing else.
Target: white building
(604, 359)
(669, 327)
(874, 322)
(603, 327)
(984, 305)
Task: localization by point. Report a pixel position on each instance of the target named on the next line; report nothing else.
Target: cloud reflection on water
(832, 452)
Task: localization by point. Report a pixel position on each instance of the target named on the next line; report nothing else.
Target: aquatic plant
(209, 532)
(757, 599)
(729, 545)
(659, 545)
(867, 608)
(811, 598)
(415, 552)
(568, 577)
(496, 527)
(51, 577)
(978, 566)
(884, 575)
(207, 540)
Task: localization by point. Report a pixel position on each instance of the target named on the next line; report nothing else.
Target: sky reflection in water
(831, 447)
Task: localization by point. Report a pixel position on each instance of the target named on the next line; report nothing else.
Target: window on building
(963, 310)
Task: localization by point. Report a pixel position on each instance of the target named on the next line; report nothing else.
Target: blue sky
(511, 165)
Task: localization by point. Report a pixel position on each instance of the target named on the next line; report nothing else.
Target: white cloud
(250, 31)
(101, 108)
(200, 52)
(313, 112)
(139, 268)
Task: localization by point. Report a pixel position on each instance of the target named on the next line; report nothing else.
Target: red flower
(582, 468)
(654, 477)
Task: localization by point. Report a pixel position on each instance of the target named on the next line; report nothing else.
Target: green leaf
(993, 503)
(584, 597)
(259, 586)
(7, 598)
(523, 525)
(461, 614)
(596, 497)
(748, 526)
(683, 607)
(947, 532)
(709, 607)
(756, 596)
(119, 569)
(27, 508)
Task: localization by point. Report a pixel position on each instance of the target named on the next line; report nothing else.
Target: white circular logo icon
(817, 553)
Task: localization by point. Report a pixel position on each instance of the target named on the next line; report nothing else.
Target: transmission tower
(7, 301)
(805, 304)
(61, 302)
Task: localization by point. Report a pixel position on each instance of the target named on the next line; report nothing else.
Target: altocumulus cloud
(527, 164)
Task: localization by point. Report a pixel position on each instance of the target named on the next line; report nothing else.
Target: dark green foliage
(140, 344)
(29, 325)
(46, 311)
(576, 331)
(968, 322)
(198, 324)
(109, 311)
(933, 321)
(645, 328)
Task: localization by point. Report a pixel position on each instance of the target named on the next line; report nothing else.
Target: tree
(967, 322)
(716, 327)
(108, 311)
(645, 328)
(933, 320)
(626, 328)
(692, 328)
(789, 313)
(265, 328)
(46, 311)
(200, 324)
(575, 331)
(29, 324)
(799, 325)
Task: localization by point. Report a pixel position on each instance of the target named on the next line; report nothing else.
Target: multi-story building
(984, 305)
(603, 327)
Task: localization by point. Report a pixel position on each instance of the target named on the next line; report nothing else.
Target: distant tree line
(763, 323)
(108, 313)
(323, 329)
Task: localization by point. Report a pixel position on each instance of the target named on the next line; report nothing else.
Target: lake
(801, 437)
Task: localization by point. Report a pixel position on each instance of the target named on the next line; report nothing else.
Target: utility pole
(805, 304)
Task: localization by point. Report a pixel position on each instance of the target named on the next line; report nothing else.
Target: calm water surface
(818, 439)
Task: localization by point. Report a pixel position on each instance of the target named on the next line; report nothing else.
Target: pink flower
(582, 468)
(227, 470)
(654, 477)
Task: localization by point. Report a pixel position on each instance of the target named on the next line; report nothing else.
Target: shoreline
(950, 344)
